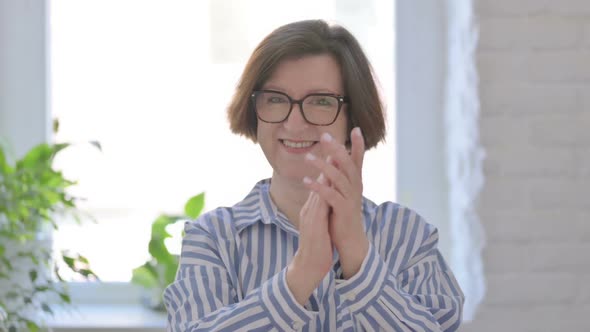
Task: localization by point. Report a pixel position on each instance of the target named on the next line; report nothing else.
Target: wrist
(299, 281)
(352, 257)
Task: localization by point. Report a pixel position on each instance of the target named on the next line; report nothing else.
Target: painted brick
(569, 8)
(493, 8)
(502, 8)
(505, 67)
(552, 257)
(527, 99)
(532, 288)
(530, 33)
(504, 130)
(509, 194)
(562, 193)
(559, 66)
(533, 62)
(532, 161)
(561, 129)
(584, 294)
(585, 92)
(506, 258)
(527, 227)
(582, 162)
(537, 318)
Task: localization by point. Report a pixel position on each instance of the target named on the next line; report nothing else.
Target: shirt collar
(258, 206)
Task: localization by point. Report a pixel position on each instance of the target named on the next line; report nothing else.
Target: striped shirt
(232, 275)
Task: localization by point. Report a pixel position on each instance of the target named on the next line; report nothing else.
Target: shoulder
(399, 232)
(217, 222)
(389, 215)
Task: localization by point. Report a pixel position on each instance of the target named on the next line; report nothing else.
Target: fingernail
(329, 159)
(310, 156)
(357, 131)
(326, 137)
(306, 180)
(321, 178)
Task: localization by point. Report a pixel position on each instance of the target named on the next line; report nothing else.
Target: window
(151, 81)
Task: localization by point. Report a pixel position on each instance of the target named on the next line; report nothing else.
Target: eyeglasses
(320, 109)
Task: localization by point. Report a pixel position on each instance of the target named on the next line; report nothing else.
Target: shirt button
(296, 325)
(351, 296)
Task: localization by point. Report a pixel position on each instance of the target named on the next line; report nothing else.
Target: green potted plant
(160, 270)
(33, 199)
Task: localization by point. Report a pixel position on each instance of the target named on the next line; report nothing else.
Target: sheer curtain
(464, 153)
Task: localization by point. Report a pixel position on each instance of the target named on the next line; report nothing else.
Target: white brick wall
(534, 65)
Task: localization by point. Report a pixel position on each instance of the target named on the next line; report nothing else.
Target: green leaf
(33, 275)
(158, 250)
(41, 288)
(145, 276)
(12, 295)
(58, 147)
(157, 247)
(82, 259)
(38, 155)
(46, 308)
(159, 227)
(57, 274)
(7, 263)
(4, 167)
(65, 297)
(96, 144)
(32, 327)
(195, 205)
(87, 273)
(170, 271)
(55, 125)
(69, 261)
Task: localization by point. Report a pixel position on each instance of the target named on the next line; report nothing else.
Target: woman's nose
(296, 119)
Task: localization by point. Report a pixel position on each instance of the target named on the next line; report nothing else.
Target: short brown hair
(312, 37)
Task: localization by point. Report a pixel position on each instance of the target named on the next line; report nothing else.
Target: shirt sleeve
(204, 298)
(423, 296)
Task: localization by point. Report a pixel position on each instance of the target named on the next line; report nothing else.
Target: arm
(410, 289)
(204, 297)
(422, 296)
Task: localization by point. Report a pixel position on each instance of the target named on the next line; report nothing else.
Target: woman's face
(285, 144)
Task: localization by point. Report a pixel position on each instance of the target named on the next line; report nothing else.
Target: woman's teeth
(298, 145)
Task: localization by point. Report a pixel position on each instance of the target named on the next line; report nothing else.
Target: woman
(305, 250)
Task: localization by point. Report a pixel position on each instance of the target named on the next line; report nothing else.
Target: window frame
(25, 116)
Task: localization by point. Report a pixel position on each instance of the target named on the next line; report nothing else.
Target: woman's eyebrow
(320, 90)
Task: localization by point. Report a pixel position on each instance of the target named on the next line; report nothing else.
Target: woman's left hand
(343, 192)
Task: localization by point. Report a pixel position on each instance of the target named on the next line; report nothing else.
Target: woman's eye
(276, 100)
(322, 101)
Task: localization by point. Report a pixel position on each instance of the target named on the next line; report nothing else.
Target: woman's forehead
(307, 74)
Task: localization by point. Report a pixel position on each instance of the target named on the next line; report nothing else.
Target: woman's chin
(296, 175)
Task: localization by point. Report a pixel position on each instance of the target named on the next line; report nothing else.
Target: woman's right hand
(314, 257)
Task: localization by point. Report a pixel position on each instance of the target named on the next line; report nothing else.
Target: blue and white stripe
(233, 267)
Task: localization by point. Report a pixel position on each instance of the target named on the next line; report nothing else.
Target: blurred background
(488, 106)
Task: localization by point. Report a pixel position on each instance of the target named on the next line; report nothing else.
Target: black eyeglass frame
(341, 100)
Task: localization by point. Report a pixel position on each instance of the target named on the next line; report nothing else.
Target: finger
(358, 147)
(329, 194)
(333, 176)
(341, 159)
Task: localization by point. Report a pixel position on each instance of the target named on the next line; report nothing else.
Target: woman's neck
(289, 195)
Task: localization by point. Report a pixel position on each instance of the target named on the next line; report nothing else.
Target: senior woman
(304, 250)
